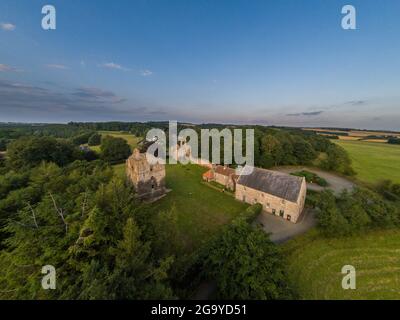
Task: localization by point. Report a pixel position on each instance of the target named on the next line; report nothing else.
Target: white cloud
(146, 73)
(112, 65)
(7, 26)
(57, 66)
(6, 68)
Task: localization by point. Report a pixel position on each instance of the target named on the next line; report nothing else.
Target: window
(289, 217)
(281, 213)
(273, 211)
(268, 205)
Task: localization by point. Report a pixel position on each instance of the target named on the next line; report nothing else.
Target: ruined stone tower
(148, 179)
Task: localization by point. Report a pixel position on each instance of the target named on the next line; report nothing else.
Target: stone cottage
(223, 175)
(279, 193)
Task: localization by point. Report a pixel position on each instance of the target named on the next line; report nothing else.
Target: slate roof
(226, 171)
(282, 185)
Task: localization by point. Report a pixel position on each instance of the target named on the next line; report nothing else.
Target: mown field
(130, 138)
(373, 161)
(201, 209)
(314, 265)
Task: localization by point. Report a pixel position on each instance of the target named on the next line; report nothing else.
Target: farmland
(373, 161)
(315, 263)
(356, 135)
(130, 138)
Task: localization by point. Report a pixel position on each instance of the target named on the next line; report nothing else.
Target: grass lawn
(119, 169)
(314, 265)
(373, 161)
(129, 137)
(201, 209)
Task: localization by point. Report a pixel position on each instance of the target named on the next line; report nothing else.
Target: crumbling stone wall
(147, 179)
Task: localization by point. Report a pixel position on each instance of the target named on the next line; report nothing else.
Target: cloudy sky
(285, 62)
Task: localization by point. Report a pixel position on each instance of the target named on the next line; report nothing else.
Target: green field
(201, 209)
(129, 137)
(314, 265)
(373, 161)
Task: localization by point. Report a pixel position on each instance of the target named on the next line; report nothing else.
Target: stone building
(223, 175)
(279, 193)
(147, 179)
(226, 176)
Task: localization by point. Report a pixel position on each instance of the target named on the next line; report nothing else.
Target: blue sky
(285, 62)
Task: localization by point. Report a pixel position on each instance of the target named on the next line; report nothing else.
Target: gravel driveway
(281, 230)
(336, 183)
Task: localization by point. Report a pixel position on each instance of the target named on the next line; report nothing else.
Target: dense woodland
(62, 205)
(273, 146)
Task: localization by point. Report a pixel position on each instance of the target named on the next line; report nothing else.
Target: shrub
(251, 212)
(311, 177)
(394, 140)
(94, 139)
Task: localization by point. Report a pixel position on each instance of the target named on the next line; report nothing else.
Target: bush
(389, 190)
(94, 139)
(311, 177)
(251, 212)
(81, 138)
(394, 140)
(338, 160)
(3, 144)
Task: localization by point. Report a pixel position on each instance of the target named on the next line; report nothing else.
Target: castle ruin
(147, 179)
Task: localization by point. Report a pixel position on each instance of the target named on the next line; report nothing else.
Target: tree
(394, 140)
(338, 160)
(134, 276)
(272, 152)
(31, 151)
(81, 138)
(353, 211)
(3, 144)
(94, 139)
(246, 264)
(303, 151)
(330, 220)
(114, 149)
(82, 221)
(167, 241)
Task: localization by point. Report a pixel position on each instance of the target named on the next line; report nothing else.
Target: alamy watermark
(183, 147)
(349, 280)
(348, 21)
(49, 280)
(49, 20)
